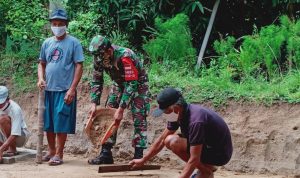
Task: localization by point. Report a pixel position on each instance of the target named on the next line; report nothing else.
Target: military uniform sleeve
(97, 82)
(131, 81)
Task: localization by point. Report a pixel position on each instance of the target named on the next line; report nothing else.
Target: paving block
(8, 160)
(23, 155)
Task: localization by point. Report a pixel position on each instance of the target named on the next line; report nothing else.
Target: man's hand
(136, 163)
(92, 111)
(118, 116)
(70, 95)
(41, 84)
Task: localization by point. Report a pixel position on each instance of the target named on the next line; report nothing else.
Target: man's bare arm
(41, 73)
(7, 143)
(154, 149)
(77, 76)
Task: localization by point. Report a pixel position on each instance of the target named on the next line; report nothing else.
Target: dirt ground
(266, 142)
(77, 167)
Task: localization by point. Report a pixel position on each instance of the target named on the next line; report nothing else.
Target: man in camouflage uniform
(130, 89)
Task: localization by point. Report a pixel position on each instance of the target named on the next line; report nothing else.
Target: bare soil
(75, 166)
(266, 142)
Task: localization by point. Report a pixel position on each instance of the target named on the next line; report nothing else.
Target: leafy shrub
(227, 59)
(172, 45)
(19, 63)
(26, 20)
(84, 27)
(266, 53)
(293, 42)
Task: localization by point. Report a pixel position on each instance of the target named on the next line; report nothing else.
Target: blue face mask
(59, 31)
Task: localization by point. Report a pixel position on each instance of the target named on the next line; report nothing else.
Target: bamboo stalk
(41, 109)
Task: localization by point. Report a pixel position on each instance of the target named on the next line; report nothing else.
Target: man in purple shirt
(204, 142)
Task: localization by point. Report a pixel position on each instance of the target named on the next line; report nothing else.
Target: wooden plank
(125, 167)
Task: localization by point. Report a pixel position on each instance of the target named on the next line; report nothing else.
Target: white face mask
(172, 117)
(59, 31)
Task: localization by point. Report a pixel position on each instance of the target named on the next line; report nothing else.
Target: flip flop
(10, 154)
(55, 160)
(195, 174)
(46, 158)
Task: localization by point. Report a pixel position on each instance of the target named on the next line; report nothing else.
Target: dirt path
(76, 167)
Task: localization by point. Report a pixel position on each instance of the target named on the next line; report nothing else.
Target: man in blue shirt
(59, 72)
(204, 142)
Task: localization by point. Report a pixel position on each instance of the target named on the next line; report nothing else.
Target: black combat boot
(105, 156)
(138, 153)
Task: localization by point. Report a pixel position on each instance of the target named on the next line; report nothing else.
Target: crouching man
(13, 129)
(204, 142)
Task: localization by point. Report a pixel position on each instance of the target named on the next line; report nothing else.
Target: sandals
(46, 158)
(55, 160)
(195, 175)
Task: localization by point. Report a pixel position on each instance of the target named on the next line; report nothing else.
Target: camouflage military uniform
(130, 88)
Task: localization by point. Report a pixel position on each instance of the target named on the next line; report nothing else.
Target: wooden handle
(110, 131)
(41, 110)
(88, 125)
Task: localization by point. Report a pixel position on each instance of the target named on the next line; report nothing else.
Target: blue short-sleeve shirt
(60, 57)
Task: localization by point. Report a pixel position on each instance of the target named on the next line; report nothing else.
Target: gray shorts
(20, 140)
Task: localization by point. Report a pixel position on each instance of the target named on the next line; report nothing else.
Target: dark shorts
(214, 156)
(59, 117)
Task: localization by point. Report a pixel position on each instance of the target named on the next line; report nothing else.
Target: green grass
(221, 89)
(207, 87)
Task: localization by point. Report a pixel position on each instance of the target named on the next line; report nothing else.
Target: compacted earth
(266, 143)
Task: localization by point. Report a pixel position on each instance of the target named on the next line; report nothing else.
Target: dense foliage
(253, 52)
(270, 52)
(171, 44)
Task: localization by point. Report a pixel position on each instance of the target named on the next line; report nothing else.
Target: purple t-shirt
(203, 126)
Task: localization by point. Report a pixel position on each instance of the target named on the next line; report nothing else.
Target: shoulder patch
(131, 72)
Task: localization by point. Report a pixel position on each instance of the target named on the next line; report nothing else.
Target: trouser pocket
(65, 110)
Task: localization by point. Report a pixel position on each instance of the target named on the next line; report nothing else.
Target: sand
(77, 167)
(266, 141)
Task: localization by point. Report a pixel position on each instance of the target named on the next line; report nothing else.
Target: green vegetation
(268, 53)
(220, 88)
(172, 44)
(263, 69)
(259, 65)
